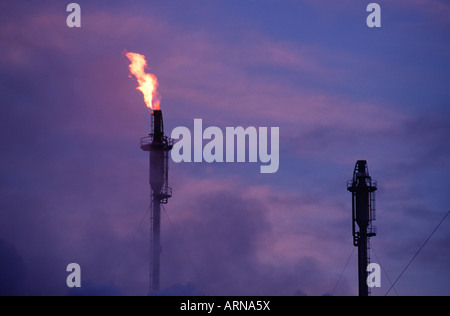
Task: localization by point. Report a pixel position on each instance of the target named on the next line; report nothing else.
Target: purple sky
(74, 182)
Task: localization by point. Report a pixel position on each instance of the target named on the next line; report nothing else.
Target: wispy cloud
(74, 179)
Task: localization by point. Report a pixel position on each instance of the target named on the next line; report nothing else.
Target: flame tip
(148, 83)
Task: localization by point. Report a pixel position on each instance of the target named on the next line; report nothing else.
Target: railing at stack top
(147, 141)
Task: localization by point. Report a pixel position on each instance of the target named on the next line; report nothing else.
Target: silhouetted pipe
(362, 189)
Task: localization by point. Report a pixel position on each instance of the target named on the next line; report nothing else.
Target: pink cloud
(196, 68)
(295, 222)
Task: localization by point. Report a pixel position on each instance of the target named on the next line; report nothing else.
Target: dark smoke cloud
(226, 234)
(13, 272)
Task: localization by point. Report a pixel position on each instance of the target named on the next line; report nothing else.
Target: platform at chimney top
(148, 143)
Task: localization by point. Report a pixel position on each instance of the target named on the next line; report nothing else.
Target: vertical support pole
(362, 264)
(156, 243)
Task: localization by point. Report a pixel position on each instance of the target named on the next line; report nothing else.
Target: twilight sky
(74, 182)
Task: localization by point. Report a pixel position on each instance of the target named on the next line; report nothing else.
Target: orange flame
(148, 83)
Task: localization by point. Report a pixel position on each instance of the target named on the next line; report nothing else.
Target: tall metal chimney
(159, 146)
(363, 205)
